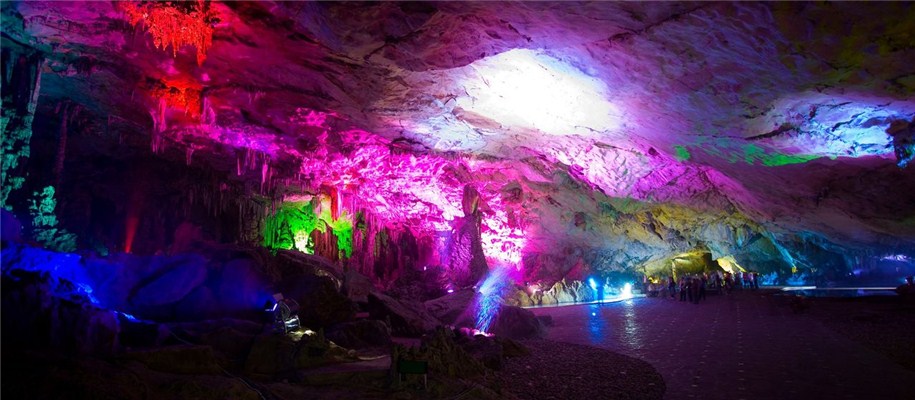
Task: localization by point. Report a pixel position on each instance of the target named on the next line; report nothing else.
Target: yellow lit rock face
(729, 264)
(694, 261)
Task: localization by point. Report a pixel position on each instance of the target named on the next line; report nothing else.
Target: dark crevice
(785, 127)
(672, 18)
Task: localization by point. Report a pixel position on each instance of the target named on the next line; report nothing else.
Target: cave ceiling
(567, 117)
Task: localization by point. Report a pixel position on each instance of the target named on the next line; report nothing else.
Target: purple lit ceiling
(614, 133)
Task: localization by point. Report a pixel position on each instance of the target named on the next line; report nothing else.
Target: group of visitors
(739, 280)
(694, 287)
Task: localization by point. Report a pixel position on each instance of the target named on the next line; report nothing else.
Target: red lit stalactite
(171, 26)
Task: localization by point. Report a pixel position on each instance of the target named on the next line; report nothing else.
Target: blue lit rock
(168, 283)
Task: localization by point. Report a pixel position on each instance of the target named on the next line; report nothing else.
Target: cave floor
(746, 345)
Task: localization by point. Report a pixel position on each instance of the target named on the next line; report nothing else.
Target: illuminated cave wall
(393, 138)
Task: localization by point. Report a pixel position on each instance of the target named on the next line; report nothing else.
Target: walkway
(738, 346)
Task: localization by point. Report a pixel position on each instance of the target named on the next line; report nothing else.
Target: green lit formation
(748, 153)
(342, 228)
(681, 153)
(291, 220)
(17, 133)
(290, 227)
(44, 222)
(753, 153)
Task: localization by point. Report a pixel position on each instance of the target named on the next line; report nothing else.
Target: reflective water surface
(735, 346)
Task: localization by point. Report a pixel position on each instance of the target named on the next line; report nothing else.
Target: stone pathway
(738, 346)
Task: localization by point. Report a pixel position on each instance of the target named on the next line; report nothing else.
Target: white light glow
(627, 291)
(526, 89)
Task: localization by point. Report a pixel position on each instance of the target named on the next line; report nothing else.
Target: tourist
(689, 289)
(683, 288)
(702, 284)
(672, 287)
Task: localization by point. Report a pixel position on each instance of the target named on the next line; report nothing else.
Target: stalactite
(172, 26)
(264, 169)
(62, 141)
(208, 115)
(159, 126)
(334, 202)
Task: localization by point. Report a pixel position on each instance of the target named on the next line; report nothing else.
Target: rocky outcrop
(406, 318)
(485, 349)
(565, 291)
(465, 259)
(182, 359)
(459, 309)
(360, 334)
(289, 263)
(271, 356)
(357, 286)
(34, 318)
(454, 308)
(444, 354)
(321, 303)
(516, 323)
(189, 287)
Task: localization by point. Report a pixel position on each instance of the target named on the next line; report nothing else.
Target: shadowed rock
(406, 318)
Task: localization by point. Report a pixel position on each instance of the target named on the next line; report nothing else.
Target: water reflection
(597, 324)
(631, 335)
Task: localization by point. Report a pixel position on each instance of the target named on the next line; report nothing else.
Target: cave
(267, 200)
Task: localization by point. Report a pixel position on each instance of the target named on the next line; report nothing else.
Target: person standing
(702, 284)
(689, 289)
(683, 288)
